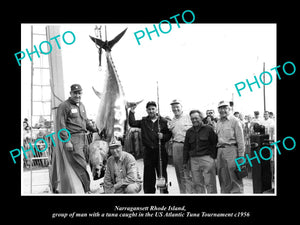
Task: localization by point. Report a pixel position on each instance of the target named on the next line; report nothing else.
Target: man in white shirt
(179, 125)
(256, 118)
(230, 145)
(269, 125)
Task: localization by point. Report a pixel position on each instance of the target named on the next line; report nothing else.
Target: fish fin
(97, 93)
(107, 45)
(116, 39)
(131, 104)
(98, 41)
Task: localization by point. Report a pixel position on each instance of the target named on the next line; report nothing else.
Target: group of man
(199, 150)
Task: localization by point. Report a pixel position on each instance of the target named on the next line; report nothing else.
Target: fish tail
(107, 45)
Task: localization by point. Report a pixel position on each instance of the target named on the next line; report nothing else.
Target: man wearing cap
(255, 120)
(150, 137)
(71, 115)
(121, 174)
(178, 126)
(230, 145)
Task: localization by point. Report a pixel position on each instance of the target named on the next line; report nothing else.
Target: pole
(159, 141)
(264, 88)
(232, 102)
(31, 85)
(161, 182)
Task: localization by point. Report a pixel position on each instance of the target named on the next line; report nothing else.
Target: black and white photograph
(121, 96)
(173, 115)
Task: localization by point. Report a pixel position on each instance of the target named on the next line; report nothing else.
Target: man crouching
(121, 173)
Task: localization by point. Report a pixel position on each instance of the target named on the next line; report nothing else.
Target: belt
(227, 145)
(181, 142)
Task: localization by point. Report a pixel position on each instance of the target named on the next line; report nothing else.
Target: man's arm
(238, 131)
(131, 172)
(132, 121)
(108, 183)
(186, 148)
(89, 124)
(61, 118)
(213, 140)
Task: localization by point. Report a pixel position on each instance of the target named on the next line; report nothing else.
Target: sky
(196, 63)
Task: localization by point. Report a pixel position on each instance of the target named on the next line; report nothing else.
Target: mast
(264, 88)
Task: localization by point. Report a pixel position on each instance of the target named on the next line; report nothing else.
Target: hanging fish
(112, 115)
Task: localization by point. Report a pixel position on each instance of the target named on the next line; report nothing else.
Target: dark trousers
(151, 169)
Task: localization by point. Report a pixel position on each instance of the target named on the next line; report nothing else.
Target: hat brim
(223, 105)
(114, 146)
(76, 90)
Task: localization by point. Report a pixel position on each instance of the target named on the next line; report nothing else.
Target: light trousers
(204, 174)
(226, 165)
(184, 177)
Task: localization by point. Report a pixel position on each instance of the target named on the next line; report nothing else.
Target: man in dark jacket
(150, 137)
(200, 148)
(71, 115)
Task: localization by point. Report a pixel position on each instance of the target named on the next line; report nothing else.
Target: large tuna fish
(112, 115)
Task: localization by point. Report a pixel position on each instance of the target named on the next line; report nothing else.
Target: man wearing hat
(178, 126)
(71, 115)
(255, 120)
(230, 146)
(121, 174)
(150, 137)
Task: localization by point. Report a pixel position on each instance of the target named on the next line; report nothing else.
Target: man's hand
(69, 146)
(118, 185)
(171, 125)
(240, 161)
(185, 166)
(160, 135)
(133, 108)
